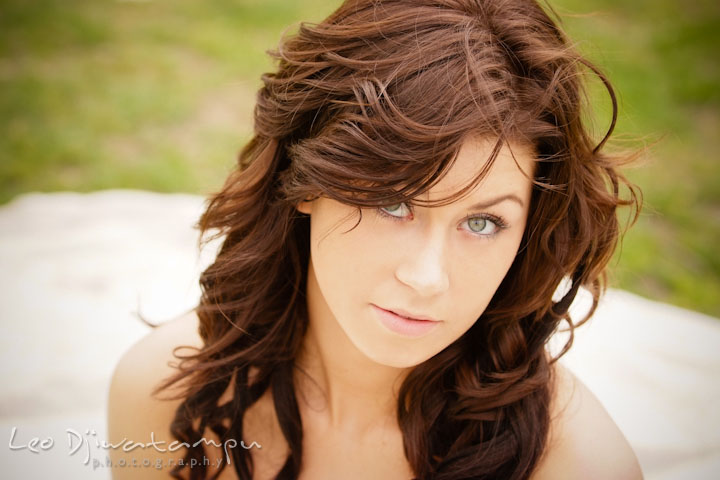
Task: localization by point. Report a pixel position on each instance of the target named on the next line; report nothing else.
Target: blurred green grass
(159, 96)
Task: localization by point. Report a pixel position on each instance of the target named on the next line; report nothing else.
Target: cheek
(349, 258)
(477, 279)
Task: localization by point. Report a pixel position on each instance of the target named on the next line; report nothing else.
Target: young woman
(420, 186)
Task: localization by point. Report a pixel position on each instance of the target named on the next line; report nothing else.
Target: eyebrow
(496, 200)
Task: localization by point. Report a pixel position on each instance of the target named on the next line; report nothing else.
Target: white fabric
(74, 268)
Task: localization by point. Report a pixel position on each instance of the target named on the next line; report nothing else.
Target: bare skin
(444, 263)
(584, 440)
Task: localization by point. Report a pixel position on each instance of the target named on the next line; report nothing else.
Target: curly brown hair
(369, 108)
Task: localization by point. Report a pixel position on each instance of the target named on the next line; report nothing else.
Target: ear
(305, 207)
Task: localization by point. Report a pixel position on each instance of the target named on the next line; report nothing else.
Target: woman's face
(442, 264)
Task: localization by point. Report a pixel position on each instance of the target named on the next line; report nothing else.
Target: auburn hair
(370, 107)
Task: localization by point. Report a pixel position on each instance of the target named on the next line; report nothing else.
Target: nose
(424, 268)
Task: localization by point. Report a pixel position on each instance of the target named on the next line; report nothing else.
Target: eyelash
(499, 222)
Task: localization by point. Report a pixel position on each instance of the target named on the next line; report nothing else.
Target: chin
(390, 358)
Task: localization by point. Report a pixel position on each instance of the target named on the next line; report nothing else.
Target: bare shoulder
(134, 415)
(584, 441)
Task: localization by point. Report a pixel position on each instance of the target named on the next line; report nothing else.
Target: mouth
(409, 315)
(401, 322)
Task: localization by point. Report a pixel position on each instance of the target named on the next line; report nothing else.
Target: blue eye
(485, 225)
(396, 211)
(481, 225)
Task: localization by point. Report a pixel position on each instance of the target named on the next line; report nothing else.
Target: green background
(158, 95)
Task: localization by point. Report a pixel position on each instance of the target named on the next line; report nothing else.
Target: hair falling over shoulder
(370, 107)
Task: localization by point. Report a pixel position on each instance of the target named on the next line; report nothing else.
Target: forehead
(511, 172)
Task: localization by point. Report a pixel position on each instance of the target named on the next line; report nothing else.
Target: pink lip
(403, 325)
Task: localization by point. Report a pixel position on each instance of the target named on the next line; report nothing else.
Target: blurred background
(158, 95)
